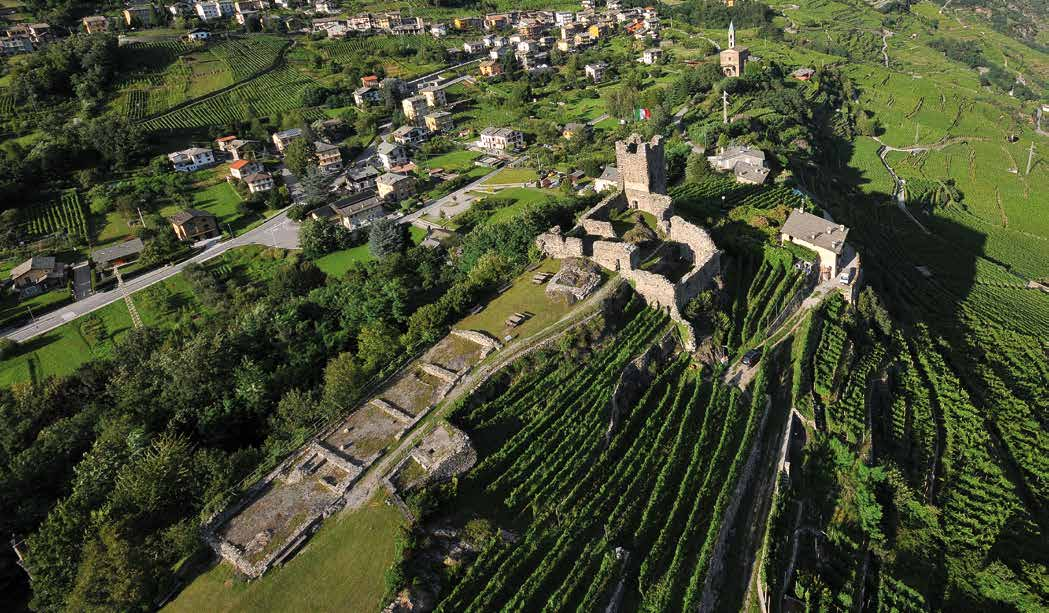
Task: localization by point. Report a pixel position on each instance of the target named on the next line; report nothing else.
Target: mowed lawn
(67, 347)
(452, 161)
(340, 569)
(523, 196)
(523, 297)
(512, 175)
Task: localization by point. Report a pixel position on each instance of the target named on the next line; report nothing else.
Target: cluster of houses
(24, 38)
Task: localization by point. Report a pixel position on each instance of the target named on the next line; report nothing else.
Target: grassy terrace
(336, 264)
(341, 569)
(523, 297)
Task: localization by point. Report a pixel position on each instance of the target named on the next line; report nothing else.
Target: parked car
(751, 357)
(845, 277)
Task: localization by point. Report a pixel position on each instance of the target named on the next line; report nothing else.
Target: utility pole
(724, 107)
(1030, 158)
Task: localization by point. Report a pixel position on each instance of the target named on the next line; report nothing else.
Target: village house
(214, 9)
(441, 121)
(491, 68)
(599, 30)
(179, 9)
(498, 53)
(409, 136)
(14, 42)
(360, 179)
(824, 237)
(139, 15)
(414, 108)
(95, 24)
(574, 129)
(282, 139)
(358, 211)
(435, 96)
(595, 72)
(329, 157)
(360, 23)
(194, 158)
(474, 47)
(105, 260)
(328, 7)
(223, 142)
(497, 21)
(562, 18)
(37, 275)
(242, 168)
(391, 154)
(651, 56)
(241, 148)
(259, 182)
(610, 179)
(198, 35)
(363, 96)
(803, 74)
(746, 163)
(502, 139)
(395, 187)
(466, 23)
(370, 81)
(439, 30)
(194, 225)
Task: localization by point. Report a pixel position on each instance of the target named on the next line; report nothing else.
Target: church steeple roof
(731, 34)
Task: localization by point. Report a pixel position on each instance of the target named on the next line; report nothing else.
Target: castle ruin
(677, 270)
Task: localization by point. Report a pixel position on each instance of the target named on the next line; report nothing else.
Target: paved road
(435, 206)
(277, 231)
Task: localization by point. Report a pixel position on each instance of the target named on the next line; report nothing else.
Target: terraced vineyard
(63, 215)
(274, 92)
(249, 56)
(655, 487)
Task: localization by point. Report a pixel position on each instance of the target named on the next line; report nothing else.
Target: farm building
(105, 260)
(37, 275)
(824, 237)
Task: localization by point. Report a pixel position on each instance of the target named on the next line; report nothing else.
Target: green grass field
(512, 175)
(341, 569)
(523, 196)
(336, 264)
(523, 297)
(14, 311)
(64, 349)
(451, 161)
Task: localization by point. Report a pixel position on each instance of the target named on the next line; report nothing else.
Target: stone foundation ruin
(689, 259)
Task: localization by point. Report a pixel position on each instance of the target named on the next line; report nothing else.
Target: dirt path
(885, 34)
(898, 191)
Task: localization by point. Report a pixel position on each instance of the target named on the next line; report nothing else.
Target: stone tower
(641, 164)
(644, 173)
(733, 58)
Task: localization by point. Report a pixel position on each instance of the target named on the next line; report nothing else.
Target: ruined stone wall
(698, 279)
(658, 291)
(595, 227)
(558, 246)
(615, 255)
(697, 239)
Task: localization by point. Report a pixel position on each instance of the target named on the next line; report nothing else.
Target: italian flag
(643, 114)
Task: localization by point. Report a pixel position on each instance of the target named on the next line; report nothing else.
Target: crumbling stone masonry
(643, 169)
(644, 187)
